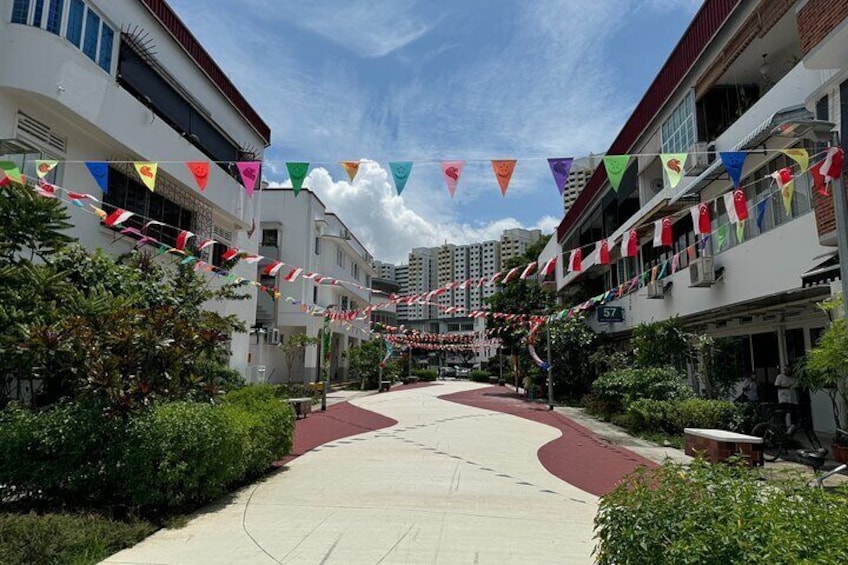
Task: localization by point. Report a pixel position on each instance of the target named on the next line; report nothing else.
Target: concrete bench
(493, 380)
(385, 386)
(302, 406)
(719, 445)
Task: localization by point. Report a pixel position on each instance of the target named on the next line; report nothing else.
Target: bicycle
(777, 439)
(816, 459)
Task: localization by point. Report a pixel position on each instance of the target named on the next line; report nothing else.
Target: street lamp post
(822, 131)
(550, 369)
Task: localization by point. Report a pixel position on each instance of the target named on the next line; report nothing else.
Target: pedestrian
(787, 396)
(750, 391)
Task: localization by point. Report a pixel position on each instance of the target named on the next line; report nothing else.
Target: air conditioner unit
(655, 290)
(702, 272)
(698, 159)
(273, 337)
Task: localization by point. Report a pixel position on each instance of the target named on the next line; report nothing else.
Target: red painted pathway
(577, 457)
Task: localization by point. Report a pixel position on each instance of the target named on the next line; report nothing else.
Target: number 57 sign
(610, 314)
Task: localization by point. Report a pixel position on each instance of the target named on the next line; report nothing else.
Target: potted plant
(826, 369)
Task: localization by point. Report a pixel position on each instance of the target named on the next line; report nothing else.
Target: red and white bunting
(117, 217)
(701, 218)
(575, 261)
(662, 233)
(528, 270)
(182, 239)
(273, 268)
(630, 244)
(602, 252)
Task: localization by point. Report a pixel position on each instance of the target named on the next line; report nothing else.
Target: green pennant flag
(673, 164)
(11, 171)
(297, 172)
(740, 231)
(615, 166)
(722, 236)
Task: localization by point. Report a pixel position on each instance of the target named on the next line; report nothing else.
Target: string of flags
(249, 172)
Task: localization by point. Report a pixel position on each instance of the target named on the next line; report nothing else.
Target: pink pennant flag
(575, 261)
(528, 270)
(293, 274)
(249, 171)
(549, 267)
(452, 170)
(117, 218)
(662, 233)
(602, 252)
(182, 239)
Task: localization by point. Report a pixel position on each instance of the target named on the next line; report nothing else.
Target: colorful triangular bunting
(200, 171)
(452, 171)
(673, 164)
(503, 169)
(400, 173)
(147, 173)
(297, 174)
(615, 166)
(100, 172)
(560, 167)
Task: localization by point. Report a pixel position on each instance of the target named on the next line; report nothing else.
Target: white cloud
(387, 226)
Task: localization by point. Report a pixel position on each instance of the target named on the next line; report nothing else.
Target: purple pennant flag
(733, 161)
(560, 167)
(100, 172)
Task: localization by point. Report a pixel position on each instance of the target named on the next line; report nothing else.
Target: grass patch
(73, 539)
(661, 439)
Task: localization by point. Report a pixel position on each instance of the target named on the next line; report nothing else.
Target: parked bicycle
(817, 459)
(778, 439)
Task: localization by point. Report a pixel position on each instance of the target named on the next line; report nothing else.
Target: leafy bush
(661, 344)
(480, 376)
(649, 415)
(671, 417)
(618, 389)
(718, 514)
(425, 374)
(65, 538)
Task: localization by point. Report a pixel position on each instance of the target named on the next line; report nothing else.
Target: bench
(719, 445)
(302, 406)
(385, 386)
(410, 380)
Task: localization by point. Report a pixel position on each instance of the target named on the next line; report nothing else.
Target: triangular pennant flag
(673, 164)
(701, 218)
(249, 171)
(452, 171)
(503, 169)
(740, 231)
(616, 165)
(730, 207)
(602, 252)
(662, 233)
(575, 261)
(147, 173)
(43, 167)
(800, 156)
(200, 171)
(733, 162)
(786, 184)
(100, 172)
(400, 173)
(560, 167)
(117, 218)
(297, 174)
(761, 214)
(11, 171)
(722, 236)
(351, 168)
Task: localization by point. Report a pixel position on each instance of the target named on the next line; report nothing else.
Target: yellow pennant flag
(800, 156)
(147, 173)
(673, 164)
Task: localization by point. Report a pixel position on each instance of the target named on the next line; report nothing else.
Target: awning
(824, 273)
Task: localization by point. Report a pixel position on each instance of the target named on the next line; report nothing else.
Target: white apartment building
(121, 81)
(740, 69)
(300, 232)
(385, 270)
(402, 279)
(422, 277)
(514, 242)
(579, 174)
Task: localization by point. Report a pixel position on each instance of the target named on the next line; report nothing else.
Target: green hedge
(672, 417)
(171, 455)
(615, 390)
(425, 374)
(59, 539)
(719, 514)
(480, 376)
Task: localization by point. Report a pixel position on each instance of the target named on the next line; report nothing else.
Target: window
(317, 246)
(679, 131)
(37, 13)
(92, 33)
(822, 110)
(20, 11)
(106, 39)
(269, 238)
(340, 257)
(314, 295)
(128, 193)
(73, 32)
(54, 16)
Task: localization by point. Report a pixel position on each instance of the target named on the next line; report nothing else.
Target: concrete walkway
(449, 483)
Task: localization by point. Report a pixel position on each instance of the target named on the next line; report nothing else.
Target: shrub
(480, 376)
(661, 344)
(718, 514)
(621, 387)
(425, 374)
(701, 413)
(649, 415)
(65, 538)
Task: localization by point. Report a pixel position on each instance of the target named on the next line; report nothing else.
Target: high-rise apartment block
(580, 173)
(515, 242)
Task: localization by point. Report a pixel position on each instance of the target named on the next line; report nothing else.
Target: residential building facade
(579, 174)
(122, 81)
(514, 242)
(299, 231)
(740, 69)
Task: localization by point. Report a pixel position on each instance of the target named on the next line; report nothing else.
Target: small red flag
(575, 262)
(740, 204)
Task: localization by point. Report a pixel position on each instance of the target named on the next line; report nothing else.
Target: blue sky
(434, 79)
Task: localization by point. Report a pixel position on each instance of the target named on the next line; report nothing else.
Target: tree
(294, 346)
(574, 369)
(32, 227)
(826, 366)
(661, 344)
(364, 362)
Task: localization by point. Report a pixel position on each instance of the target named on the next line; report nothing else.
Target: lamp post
(550, 368)
(822, 131)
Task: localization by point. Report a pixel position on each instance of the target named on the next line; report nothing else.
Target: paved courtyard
(443, 480)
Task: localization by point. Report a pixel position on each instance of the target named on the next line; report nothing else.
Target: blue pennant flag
(100, 172)
(400, 174)
(733, 162)
(761, 214)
